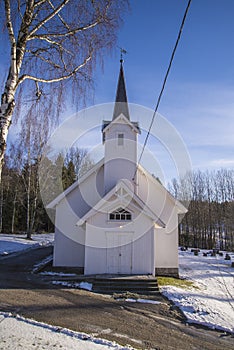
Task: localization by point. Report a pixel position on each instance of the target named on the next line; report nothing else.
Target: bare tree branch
(71, 32)
(9, 22)
(23, 33)
(50, 62)
(11, 35)
(39, 3)
(59, 16)
(52, 41)
(54, 80)
(49, 17)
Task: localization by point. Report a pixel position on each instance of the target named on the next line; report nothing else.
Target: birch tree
(53, 47)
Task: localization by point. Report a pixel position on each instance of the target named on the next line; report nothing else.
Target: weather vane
(122, 52)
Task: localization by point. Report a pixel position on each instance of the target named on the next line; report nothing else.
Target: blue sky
(199, 95)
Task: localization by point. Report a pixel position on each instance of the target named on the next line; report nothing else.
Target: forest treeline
(209, 197)
(21, 206)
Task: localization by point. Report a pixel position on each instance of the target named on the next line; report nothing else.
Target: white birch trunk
(1, 207)
(13, 213)
(6, 112)
(44, 35)
(18, 47)
(29, 190)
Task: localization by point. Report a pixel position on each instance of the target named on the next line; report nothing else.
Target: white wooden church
(117, 219)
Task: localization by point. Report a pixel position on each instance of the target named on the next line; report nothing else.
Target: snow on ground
(59, 274)
(211, 301)
(81, 285)
(16, 243)
(142, 301)
(29, 334)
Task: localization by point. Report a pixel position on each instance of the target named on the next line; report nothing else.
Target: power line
(164, 84)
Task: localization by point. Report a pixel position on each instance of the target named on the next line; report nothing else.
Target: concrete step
(120, 291)
(125, 284)
(119, 285)
(144, 285)
(126, 281)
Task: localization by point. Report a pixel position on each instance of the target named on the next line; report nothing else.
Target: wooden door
(119, 253)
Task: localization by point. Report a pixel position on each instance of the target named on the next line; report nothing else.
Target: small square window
(120, 139)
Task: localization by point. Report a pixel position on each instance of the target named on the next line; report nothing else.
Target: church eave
(133, 125)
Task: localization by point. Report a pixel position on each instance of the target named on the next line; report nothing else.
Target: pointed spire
(121, 102)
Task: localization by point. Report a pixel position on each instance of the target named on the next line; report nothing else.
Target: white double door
(119, 252)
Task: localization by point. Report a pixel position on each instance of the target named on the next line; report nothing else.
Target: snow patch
(60, 274)
(27, 334)
(143, 301)
(211, 301)
(16, 243)
(81, 285)
(86, 286)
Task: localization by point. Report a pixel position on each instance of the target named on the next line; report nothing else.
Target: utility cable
(163, 85)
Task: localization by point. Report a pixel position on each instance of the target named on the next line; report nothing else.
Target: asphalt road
(144, 326)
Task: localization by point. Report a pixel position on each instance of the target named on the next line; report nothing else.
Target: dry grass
(176, 282)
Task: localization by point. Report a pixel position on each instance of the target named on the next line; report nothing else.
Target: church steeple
(120, 140)
(121, 102)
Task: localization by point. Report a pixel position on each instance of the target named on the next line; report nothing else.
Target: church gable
(120, 204)
(120, 121)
